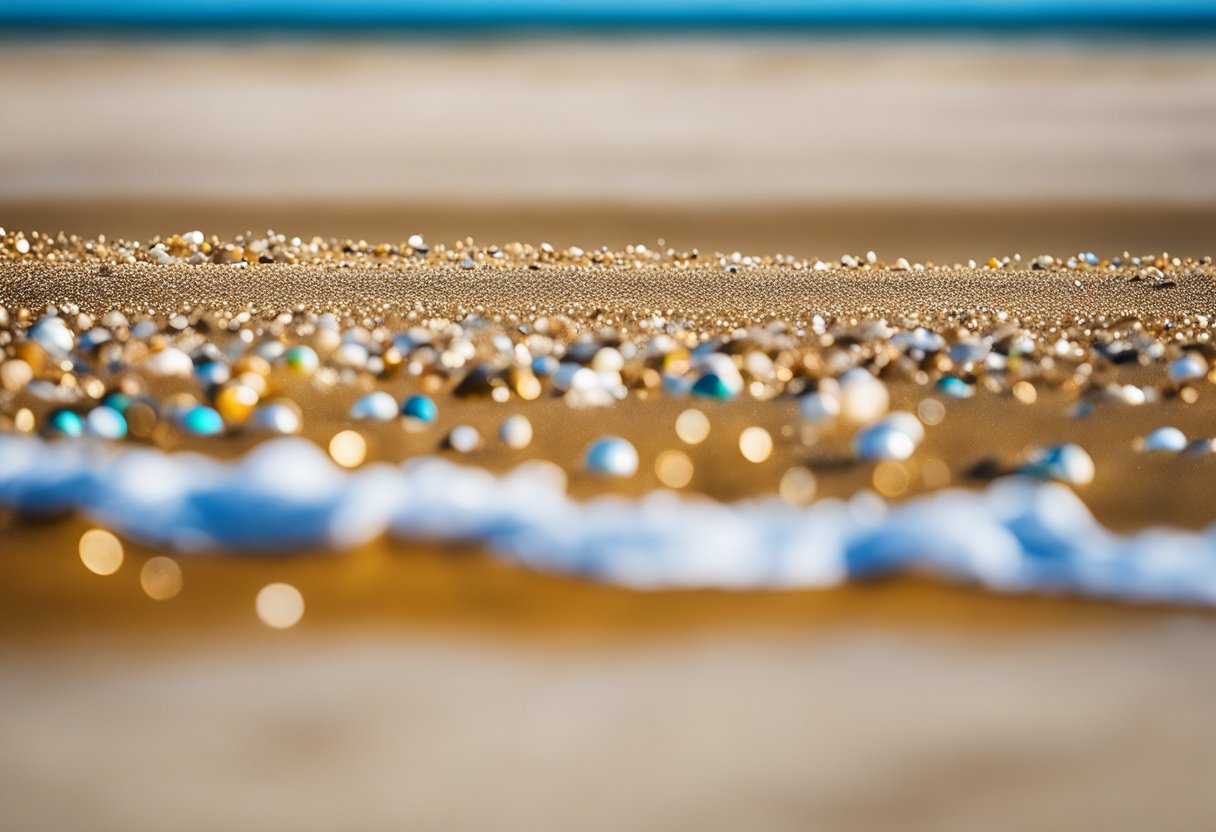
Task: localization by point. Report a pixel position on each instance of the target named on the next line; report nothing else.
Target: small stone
(236, 403)
(711, 386)
(1189, 367)
(516, 431)
(1164, 439)
(885, 440)
(608, 360)
(302, 360)
(955, 388)
(378, 406)
(611, 456)
(52, 334)
(464, 439)
(169, 363)
(105, 423)
(276, 418)
(201, 420)
(1063, 463)
(421, 409)
(64, 423)
(1201, 447)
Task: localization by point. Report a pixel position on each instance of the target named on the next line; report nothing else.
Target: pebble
(302, 360)
(1189, 367)
(515, 431)
(421, 409)
(1164, 439)
(65, 423)
(711, 386)
(464, 439)
(52, 334)
(611, 456)
(236, 403)
(1201, 447)
(1067, 463)
(201, 420)
(377, 406)
(105, 422)
(955, 388)
(886, 440)
(276, 418)
(169, 363)
(863, 398)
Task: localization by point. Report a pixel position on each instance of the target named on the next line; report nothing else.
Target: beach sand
(437, 688)
(432, 687)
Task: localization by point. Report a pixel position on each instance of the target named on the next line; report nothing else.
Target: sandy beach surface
(431, 687)
(428, 687)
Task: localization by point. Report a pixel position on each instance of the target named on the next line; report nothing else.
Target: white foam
(1017, 535)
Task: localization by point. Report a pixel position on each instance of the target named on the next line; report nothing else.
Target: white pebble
(1189, 367)
(1164, 439)
(1064, 463)
(377, 407)
(612, 456)
(884, 440)
(464, 439)
(52, 334)
(169, 363)
(516, 431)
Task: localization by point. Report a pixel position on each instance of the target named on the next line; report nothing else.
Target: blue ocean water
(1131, 15)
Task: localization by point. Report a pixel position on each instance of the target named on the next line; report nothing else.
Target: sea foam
(1017, 535)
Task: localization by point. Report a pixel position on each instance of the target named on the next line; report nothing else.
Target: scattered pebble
(515, 431)
(202, 421)
(1164, 439)
(611, 456)
(377, 406)
(421, 409)
(464, 439)
(105, 423)
(1064, 463)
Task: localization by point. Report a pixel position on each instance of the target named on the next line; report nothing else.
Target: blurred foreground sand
(865, 730)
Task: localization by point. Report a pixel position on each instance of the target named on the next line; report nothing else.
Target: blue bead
(955, 388)
(612, 456)
(65, 423)
(117, 401)
(420, 408)
(711, 387)
(203, 421)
